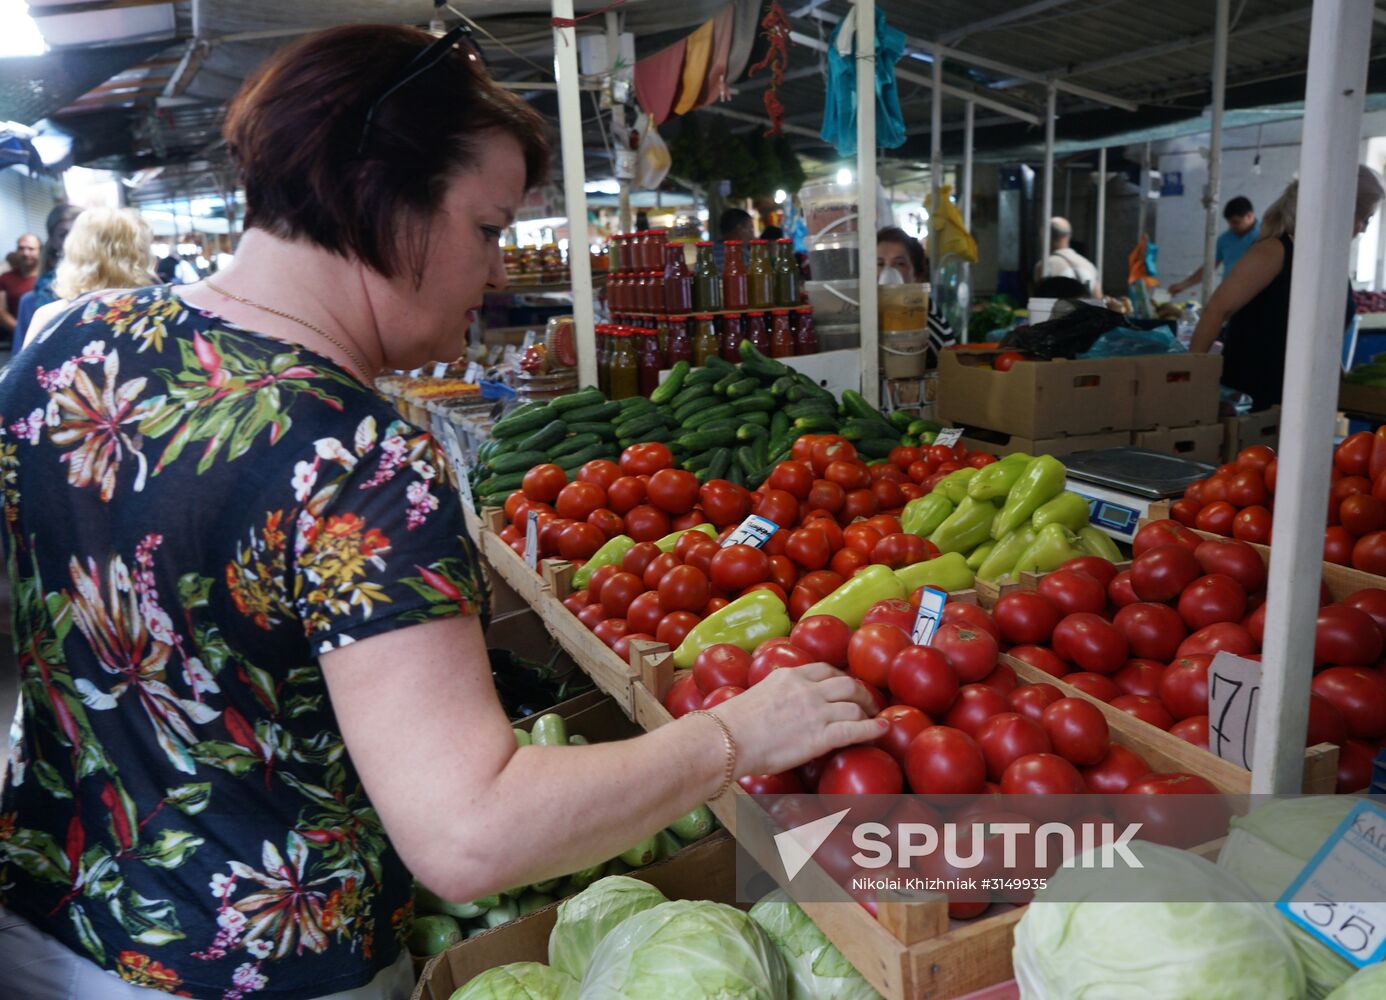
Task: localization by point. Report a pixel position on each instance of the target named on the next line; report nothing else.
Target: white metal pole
(1210, 234)
(969, 123)
(935, 154)
(1143, 207)
(1047, 212)
(565, 71)
(1101, 241)
(866, 198)
(1379, 274)
(618, 116)
(1339, 39)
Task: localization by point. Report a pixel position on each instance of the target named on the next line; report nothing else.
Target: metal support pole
(1101, 241)
(565, 71)
(1047, 212)
(1339, 40)
(866, 198)
(969, 122)
(1145, 193)
(1210, 233)
(935, 154)
(618, 114)
(1379, 273)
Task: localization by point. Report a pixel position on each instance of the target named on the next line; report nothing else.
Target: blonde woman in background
(107, 248)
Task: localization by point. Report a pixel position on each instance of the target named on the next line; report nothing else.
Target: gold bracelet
(730, 775)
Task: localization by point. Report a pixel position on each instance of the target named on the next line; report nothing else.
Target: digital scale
(1120, 484)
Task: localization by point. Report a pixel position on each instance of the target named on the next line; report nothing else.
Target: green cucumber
(707, 414)
(597, 411)
(746, 459)
(855, 405)
(814, 422)
(757, 417)
(694, 825)
(523, 423)
(717, 468)
(910, 441)
(753, 361)
(750, 432)
(545, 438)
(781, 385)
(742, 388)
(577, 400)
(900, 420)
(575, 443)
(660, 433)
(573, 461)
(726, 381)
(879, 447)
(716, 361)
(734, 422)
(640, 425)
(759, 400)
(720, 437)
(501, 484)
(604, 431)
(670, 387)
(701, 460)
(517, 461)
(701, 376)
(779, 423)
(634, 403)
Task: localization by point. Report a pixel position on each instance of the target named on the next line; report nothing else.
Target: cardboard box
(705, 870)
(1176, 390)
(1254, 428)
(1036, 399)
(1202, 443)
(1362, 400)
(1004, 444)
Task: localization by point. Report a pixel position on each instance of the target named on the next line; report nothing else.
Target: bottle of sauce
(649, 360)
(787, 275)
(781, 334)
(757, 332)
(604, 357)
(640, 301)
(654, 295)
(760, 276)
(733, 330)
(734, 289)
(805, 337)
(625, 370)
(659, 241)
(707, 281)
(680, 346)
(678, 280)
(662, 336)
(704, 338)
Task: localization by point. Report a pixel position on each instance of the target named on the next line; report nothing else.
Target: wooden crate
(505, 560)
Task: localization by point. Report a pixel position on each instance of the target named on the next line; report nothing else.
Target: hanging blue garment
(840, 108)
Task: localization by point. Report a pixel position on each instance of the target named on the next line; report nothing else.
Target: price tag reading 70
(1234, 696)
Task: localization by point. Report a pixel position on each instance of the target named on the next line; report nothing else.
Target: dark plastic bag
(1065, 336)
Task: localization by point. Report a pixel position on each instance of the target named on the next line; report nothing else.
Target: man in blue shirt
(1243, 229)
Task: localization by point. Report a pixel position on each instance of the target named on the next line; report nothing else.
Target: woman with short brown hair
(255, 691)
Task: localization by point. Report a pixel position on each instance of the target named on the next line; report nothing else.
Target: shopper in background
(108, 248)
(1065, 262)
(1254, 299)
(772, 233)
(1243, 229)
(58, 225)
(18, 282)
(897, 250)
(273, 702)
(732, 224)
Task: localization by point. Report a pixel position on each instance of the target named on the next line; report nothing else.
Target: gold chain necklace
(361, 366)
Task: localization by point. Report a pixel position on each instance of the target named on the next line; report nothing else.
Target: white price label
(930, 611)
(755, 531)
(1234, 696)
(1340, 896)
(949, 436)
(440, 369)
(474, 374)
(532, 540)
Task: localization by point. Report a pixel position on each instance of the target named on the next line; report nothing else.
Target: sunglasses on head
(424, 61)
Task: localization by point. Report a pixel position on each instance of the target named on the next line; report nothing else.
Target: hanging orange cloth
(657, 80)
(695, 57)
(1138, 263)
(715, 83)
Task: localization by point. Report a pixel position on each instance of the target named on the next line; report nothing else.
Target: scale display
(1115, 513)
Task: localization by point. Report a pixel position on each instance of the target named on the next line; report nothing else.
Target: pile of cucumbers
(439, 924)
(720, 420)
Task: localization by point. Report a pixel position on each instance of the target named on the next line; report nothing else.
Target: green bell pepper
(994, 481)
(966, 528)
(667, 543)
(923, 515)
(609, 554)
(1068, 509)
(954, 485)
(1096, 542)
(1007, 552)
(946, 572)
(745, 622)
(1053, 546)
(851, 601)
(979, 555)
(1042, 480)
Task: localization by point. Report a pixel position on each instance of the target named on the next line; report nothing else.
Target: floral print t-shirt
(192, 513)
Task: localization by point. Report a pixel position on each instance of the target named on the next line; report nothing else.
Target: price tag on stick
(1340, 896)
(532, 540)
(1234, 697)
(755, 531)
(930, 611)
(949, 436)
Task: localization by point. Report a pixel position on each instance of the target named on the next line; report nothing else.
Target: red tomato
(975, 704)
(683, 696)
(1163, 533)
(597, 580)
(1078, 731)
(872, 649)
(1148, 710)
(576, 601)
(618, 592)
(1185, 511)
(1371, 601)
(1025, 616)
(1006, 360)
(1041, 658)
(724, 503)
(1362, 514)
(1091, 642)
(783, 573)
(592, 614)
(970, 652)
(513, 506)
(1252, 525)
(1326, 723)
(684, 588)
(1215, 489)
(1002, 679)
(889, 494)
(1140, 677)
(543, 483)
(861, 771)
(1342, 489)
(621, 647)
(1194, 492)
(862, 537)
(1369, 554)
(625, 494)
(829, 528)
(825, 495)
(1030, 700)
(773, 655)
(658, 566)
(1257, 456)
(1211, 599)
(1042, 774)
(737, 567)
(945, 761)
(647, 524)
(808, 548)
(580, 541)
(919, 676)
(646, 459)
(895, 612)
(1120, 591)
(786, 783)
(795, 478)
(1345, 635)
(1216, 518)
(1269, 474)
(510, 534)
(824, 638)
(774, 588)
(920, 471)
(828, 449)
(1360, 695)
(903, 457)
(911, 491)
(1162, 573)
(858, 503)
(846, 561)
(804, 446)
(848, 475)
(958, 613)
(1215, 638)
(1353, 456)
(906, 723)
(1096, 567)
(674, 627)
(1153, 631)
(608, 630)
(780, 507)
(1355, 764)
(578, 500)
(1193, 730)
(1006, 737)
(1176, 825)
(979, 460)
(1184, 686)
(1071, 592)
(1235, 559)
(700, 553)
(941, 453)
(720, 695)
(1115, 772)
(720, 665)
(599, 471)
(609, 523)
(644, 613)
(673, 490)
(1247, 489)
(1098, 686)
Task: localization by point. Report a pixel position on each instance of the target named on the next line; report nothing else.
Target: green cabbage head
(1367, 984)
(519, 981)
(686, 950)
(1228, 948)
(585, 919)
(817, 970)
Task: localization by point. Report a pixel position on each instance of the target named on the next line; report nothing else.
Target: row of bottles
(764, 280)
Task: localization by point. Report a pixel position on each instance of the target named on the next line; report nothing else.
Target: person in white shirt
(1065, 262)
